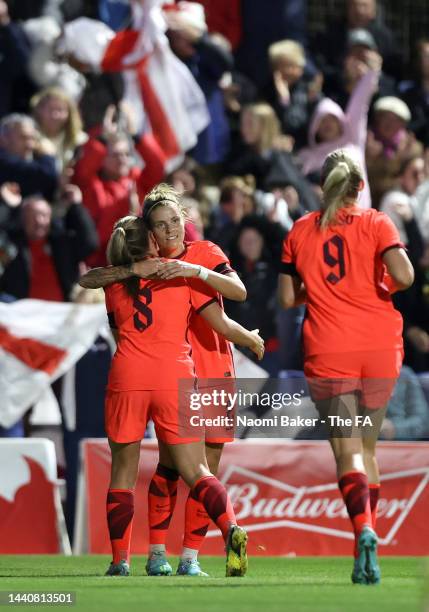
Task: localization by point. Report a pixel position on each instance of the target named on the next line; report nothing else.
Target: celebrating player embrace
(344, 263)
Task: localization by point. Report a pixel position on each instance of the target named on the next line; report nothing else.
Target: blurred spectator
(361, 54)
(291, 95)
(59, 122)
(388, 145)
(331, 128)
(421, 209)
(264, 24)
(25, 159)
(194, 227)
(112, 186)
(252, 260)
(330, 45)
(416, 94)
(236, 201)
(407, 415)
(10, 201)
(21, 10)
(398, 204)
(224, 17)
(49, 250)
(208, 60)
(14, 54)
(262, 153)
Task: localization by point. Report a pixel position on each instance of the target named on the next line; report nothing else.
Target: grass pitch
(273, 584)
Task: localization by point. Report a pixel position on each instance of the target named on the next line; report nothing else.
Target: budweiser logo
(262, 503)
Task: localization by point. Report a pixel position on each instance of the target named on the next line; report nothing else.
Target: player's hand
(146, 268)
(176, 269)
(257, 345)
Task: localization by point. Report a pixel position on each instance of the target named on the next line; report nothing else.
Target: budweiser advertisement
(285, 493)
(32, 519)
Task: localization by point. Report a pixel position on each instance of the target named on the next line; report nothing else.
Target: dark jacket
(72, 239)
(14, 54)
(37, 176)
(417, 100)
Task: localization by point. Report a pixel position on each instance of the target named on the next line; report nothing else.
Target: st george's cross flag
(162, 91)
(39, 342)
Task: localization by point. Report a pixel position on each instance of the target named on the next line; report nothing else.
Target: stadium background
(77, 419)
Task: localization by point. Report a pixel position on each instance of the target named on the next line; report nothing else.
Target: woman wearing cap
(352, 333)
(211, 354)
(388, 145)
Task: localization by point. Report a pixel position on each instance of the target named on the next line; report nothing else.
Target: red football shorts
(127, 413)
(373, 374)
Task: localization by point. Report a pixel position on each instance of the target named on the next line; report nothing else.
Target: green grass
(284, 584)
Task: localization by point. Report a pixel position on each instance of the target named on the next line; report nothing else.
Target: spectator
(416, 94)
(10, 201)
(59, 122)
(421, 209)
(261, 27)
(14, 54)
(236, 201)
(25, 159)
(208, 60)
(21, 10)
(194, 226)
(224, 17)
(112, 186)
(261, 153)
(361, 54)
(330, 46)
(49, 251)
(407, 415)
(252, 260)
(291, 95)
(389, 144)
(331, 128)
(398, 204)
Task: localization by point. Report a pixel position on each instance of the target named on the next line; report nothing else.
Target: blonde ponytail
(341, 180)
(129, 241)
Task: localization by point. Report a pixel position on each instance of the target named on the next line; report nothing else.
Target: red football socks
(374, 494)
(162, 497)
(212, 494)
(355, 492)
(120, 512)
(197, 522)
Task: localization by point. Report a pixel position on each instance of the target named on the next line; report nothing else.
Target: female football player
(211, 354)
(153, 355)
(344, 263)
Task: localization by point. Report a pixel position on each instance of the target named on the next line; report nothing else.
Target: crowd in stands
(74, 157)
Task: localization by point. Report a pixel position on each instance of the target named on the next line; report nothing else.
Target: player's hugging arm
(291, 291)
(233, 331)
(101, 277)
(229, 284)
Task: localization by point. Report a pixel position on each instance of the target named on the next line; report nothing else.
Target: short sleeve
(386, 235)
(201, 295)
(111, 295)
(215, 259)
(288, 256)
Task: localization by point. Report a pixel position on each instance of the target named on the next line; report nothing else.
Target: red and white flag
(39, 342)
(167, 100)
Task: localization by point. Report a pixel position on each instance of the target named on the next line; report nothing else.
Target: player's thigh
(380, 372)
(213, 455)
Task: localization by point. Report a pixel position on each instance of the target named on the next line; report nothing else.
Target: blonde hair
(162, 195)
(270, 125)
(129, 242)
(286, 49)
(73, 126)
(341, 183)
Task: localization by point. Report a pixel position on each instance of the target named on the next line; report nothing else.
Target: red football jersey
(348, 308)
(211, 352)
(153, 351)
